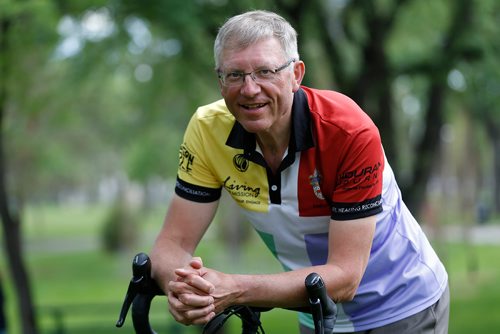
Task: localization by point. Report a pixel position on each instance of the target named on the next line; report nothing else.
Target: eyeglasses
(260, 76)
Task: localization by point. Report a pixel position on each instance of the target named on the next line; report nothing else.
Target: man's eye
(264, 72)
(233, 75)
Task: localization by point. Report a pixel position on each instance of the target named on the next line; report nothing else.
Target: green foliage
(419, 31)
(120, 228)
(121, 99)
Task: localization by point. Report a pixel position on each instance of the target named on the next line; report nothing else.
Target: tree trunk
(11, 222)
(13, 249)
(426, 149)
(494, 135)
(496, 166)
(3, 320)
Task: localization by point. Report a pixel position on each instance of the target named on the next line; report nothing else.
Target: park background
(94, 98)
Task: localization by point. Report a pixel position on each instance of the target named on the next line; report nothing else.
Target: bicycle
(142, 289)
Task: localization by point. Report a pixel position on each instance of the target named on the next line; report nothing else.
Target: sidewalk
(476, 234)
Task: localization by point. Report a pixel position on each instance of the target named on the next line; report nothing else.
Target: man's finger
(196, 286)
(189, 315)
(194, 280)
(195, 300)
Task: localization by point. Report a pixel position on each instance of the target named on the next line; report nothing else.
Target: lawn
(79, 288)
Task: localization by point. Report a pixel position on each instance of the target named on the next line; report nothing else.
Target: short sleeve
(358, 188)
(195, 179)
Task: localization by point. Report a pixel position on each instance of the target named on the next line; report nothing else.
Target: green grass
(475, 292)
(83, 287)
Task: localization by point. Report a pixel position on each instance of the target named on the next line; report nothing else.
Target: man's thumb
(196, 263)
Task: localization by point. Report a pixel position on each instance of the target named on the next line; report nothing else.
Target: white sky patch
(143, 73)
(140, 35)
(94, 26)
(98, 24)
(456, 81)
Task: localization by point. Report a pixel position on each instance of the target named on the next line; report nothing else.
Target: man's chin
(254, 126)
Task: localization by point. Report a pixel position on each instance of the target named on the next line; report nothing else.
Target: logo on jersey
(186, 159)
(365, 177)
(240, 162)
(315, 181)
(239, 189)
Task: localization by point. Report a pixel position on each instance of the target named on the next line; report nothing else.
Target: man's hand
(222, 287)
(189, 296)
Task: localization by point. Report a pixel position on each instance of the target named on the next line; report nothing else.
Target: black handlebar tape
(140, 314)
(250, 320)
(316, 290)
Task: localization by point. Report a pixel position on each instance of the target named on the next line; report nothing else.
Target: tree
(483, 84)
(365, 45)
(27, 104)
(10, 216)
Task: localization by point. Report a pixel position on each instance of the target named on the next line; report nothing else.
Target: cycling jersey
(334, 168)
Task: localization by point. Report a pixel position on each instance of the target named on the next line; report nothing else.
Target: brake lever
(140, 282)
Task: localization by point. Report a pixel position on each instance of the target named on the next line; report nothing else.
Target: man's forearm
(349, 250)
(179, 236)
(288, 289)
(166, 256)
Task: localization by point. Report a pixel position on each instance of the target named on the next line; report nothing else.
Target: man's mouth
(252, 106)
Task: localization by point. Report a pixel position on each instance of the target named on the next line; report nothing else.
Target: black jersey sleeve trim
(348, 211)
(196, 193)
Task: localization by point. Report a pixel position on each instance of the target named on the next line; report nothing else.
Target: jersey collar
(301, 137)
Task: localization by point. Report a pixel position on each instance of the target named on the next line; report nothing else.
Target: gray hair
(248, 28)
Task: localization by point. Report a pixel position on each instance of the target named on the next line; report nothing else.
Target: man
(308, 170)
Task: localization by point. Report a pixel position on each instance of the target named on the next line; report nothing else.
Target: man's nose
(249, 86)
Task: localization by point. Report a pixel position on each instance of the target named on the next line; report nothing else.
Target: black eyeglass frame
(241, 75)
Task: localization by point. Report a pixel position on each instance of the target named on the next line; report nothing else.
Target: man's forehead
(262, 52)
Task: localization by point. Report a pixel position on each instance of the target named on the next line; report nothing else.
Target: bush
(120, 232)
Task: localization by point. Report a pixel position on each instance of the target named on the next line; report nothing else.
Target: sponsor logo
(191, 191)
(353, 178)
(240, 190)
(357, 208)
(240, 162)
(186, 159)
(315, 181)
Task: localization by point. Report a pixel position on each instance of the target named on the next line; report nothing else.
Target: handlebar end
(120, 323)
(324, 308)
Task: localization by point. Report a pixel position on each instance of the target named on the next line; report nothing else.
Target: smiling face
(261, 108)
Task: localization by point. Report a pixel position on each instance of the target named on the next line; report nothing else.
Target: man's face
(260, 107)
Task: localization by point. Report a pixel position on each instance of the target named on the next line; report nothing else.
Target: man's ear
(299, 69)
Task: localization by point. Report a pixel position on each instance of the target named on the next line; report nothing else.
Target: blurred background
(94, 98)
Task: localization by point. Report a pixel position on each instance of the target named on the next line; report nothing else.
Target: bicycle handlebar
(324, 310)
(142, 289)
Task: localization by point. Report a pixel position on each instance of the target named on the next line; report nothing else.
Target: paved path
(62, 245)
(477, 234)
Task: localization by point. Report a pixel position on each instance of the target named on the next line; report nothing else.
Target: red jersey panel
(344, 168)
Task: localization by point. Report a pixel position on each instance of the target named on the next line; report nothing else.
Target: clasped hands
(198, 293)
